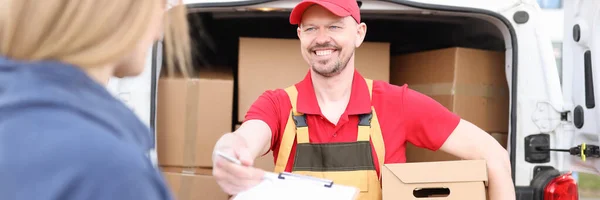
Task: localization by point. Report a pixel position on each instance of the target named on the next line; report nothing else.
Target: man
(354, 124)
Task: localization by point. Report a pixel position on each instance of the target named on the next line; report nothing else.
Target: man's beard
(337, 68)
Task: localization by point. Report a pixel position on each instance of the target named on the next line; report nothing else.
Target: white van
(544, 114)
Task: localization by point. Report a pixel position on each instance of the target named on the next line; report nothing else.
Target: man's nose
(323, 36)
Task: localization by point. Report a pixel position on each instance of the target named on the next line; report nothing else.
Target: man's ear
(298, 31)
(361, 31)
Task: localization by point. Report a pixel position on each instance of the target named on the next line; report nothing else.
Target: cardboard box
(265, 162)
(469, 82)
(192, 114)
(449, 180)
(187, 186)
(267, 57)
(502, 138)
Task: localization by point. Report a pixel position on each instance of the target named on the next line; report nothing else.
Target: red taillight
(563, 187)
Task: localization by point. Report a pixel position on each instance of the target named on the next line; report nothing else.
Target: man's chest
(321, 130)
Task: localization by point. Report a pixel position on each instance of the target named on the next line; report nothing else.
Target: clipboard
(292, 186)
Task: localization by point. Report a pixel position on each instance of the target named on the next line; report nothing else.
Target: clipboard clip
(327, 183)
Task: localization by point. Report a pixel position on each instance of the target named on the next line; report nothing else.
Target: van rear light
(562, 187)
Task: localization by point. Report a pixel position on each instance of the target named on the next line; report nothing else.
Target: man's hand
(468, 141)
(245, 144)
(234, 178)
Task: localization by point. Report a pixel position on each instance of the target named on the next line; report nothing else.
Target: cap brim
(298, 11)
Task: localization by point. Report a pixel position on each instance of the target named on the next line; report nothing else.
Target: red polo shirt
(404, 116)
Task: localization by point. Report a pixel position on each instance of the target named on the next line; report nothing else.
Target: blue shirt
(63, 136)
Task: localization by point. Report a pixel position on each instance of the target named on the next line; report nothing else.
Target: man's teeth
(323, 52)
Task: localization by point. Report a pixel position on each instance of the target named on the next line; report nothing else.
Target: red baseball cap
(342, 8)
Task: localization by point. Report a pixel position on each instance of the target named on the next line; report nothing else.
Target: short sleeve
(267, 108)
(427, 123)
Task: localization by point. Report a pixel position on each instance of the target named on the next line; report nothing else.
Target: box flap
(439, 172)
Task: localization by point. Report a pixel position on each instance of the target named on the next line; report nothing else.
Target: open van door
(581, 86)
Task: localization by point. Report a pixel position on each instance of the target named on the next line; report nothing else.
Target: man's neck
(334, 89)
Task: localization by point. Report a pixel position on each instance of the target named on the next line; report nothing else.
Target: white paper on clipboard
(291, 186)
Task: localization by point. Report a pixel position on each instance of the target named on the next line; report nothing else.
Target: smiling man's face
(328, 41)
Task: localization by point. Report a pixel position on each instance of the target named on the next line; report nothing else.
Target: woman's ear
(361, 31)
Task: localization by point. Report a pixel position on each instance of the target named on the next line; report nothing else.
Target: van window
(550, 4)
(557, 47)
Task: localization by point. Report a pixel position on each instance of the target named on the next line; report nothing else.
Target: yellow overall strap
(375, 130)
(287, 139)
(302, 131)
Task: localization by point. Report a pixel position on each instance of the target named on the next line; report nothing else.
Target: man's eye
(309, 29)
(334, 27)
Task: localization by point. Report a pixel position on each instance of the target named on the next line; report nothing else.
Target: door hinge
(546, 117)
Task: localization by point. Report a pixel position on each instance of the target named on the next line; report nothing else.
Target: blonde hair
(89, 32)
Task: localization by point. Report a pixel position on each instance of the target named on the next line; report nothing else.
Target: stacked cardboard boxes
(469, 82)
(192, 114)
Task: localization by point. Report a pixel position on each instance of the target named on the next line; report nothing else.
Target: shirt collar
(360, 102)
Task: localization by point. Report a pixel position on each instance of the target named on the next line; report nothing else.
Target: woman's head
(112, 35)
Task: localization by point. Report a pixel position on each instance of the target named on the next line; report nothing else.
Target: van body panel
(581, 55)
(538, 87)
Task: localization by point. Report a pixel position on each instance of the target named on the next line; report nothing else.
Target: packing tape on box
(185, 189)
(460, 89)
(191, 123)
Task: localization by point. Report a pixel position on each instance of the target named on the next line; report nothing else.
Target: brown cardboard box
(449, 180)
(189, 186)
(264, 162)
(266, 57)
(469, 82)
(502, 138)
(191, 116)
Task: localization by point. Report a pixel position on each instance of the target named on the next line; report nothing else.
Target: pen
(231, 159)
(267, 175)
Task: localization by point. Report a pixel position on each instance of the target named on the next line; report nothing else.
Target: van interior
(216, 34)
